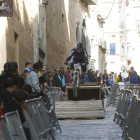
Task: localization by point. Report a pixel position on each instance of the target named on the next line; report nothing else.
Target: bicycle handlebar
(81, 64)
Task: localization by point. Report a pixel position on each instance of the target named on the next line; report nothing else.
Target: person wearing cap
(28, 66)
(68, 74)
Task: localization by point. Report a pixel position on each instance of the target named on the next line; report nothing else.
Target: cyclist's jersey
(78, 56)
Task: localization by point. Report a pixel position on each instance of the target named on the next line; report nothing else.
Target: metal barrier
(128, 113)
(51, 112)
(4, 132)
(11, 127)
(39, 121)
(112, 94)
(55, 94)
(14, 126)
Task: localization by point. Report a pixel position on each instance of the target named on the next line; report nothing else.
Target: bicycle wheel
(75, 88)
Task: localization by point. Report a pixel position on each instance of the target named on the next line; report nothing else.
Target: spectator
(128, 78)
(10, 86)
(105, 77)
(8, 90)
(5, 69)
(28, 66)
(116, 79)
(93, 79)
(44, 68)
(50, 74)
(50, 82)
(41, 81)
(110, 82)
(96, 74)
(46, 73)
(86, 79)
(120, 77)
(33, 79)
(64, 80)
(89, 73)
(12, 72)
(53, 73)
(19, 100)
(45, 85)
(15, 104)
(20, 81)
(100, 78)
(68, 75)
(1, 107)
(24, 75)
(57, 79)
(40, 68)
(133, 78)
(29, 90)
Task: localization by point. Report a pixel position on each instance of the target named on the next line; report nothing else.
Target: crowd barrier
(11, 127)
(110, 94)
(41, 123)
(56, 94)
(51, 112)
(127, 113)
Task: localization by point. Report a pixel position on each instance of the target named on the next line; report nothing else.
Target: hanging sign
(6, 8)
(112, 48)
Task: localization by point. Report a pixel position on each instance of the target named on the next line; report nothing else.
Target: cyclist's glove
(66, 63)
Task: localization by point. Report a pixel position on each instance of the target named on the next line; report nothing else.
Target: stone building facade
(48, 30)
(70, 21)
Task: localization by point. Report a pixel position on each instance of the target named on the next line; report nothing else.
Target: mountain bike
(76, 77)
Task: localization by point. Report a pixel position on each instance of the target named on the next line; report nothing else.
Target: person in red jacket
(68, 75)
(1, 107)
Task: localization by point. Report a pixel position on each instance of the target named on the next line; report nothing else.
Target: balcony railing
(90, 2)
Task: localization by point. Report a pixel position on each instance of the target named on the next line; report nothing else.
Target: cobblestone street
(101, 129)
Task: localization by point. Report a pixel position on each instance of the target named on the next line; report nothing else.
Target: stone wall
(55, 33)
(69, 21)
(62, 16)
(19, 33)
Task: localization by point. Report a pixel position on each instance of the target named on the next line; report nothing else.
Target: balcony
(90, 2)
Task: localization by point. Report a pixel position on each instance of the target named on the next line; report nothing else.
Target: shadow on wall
(19, 27)
(62, 30)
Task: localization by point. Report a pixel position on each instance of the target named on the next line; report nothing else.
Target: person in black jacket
(105, 77)
(50, 82)
(11, 72)
(120, 76)
(57, 79)
(94, 79)
(89, 75)
(100, 78)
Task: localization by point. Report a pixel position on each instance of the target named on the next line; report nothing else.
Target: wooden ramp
(79, 109)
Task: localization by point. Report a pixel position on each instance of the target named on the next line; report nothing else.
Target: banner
(112, 48)
(6, 8)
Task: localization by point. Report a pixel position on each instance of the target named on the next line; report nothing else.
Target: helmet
(79, 47)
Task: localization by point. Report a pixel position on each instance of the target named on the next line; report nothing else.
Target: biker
(79, 55)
